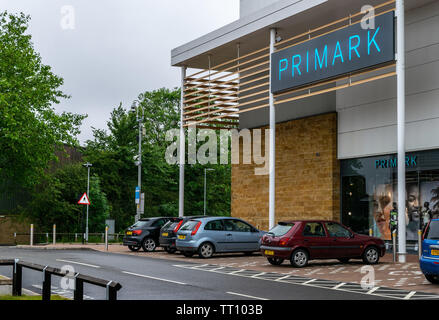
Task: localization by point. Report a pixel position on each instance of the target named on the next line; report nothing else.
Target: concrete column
(182, 148)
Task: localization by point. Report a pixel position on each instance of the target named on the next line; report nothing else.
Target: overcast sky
(117, 48)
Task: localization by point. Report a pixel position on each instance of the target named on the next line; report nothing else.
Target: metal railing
(60, 237)
(111, 287)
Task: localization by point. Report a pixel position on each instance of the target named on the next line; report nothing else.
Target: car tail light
(196, 228)
(283, 241)
(137, 232)
(436, 262)
(178, 226)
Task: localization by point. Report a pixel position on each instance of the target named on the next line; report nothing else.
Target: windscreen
(432, 232)
(281, 229)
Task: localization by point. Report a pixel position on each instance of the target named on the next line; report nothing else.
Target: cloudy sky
(114, 49)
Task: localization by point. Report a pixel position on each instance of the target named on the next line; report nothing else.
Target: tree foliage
(112, 152)
(54, 201)
(30, 129)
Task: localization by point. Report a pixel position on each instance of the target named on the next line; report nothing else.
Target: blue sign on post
(137, 195)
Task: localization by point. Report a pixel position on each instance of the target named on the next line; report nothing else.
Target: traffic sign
(84, 199)
(137, 195)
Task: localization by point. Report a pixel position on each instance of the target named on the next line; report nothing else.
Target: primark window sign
(350, 49)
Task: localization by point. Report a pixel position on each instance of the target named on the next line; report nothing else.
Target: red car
(301, 241)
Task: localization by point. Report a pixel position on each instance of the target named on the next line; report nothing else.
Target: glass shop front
(369, 192)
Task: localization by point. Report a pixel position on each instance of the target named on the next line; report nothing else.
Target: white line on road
(236, 271)
(154, 278)
(258, 274)
(338, 270)
(339, 285)
(411, 294)
(384, 267)
(83, 264)
(372, 290)
(309, 281)
(246, 296)
(285, 277)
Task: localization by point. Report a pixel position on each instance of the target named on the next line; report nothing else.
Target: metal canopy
(289, 17)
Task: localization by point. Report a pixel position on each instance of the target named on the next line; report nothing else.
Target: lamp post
(88, 166)
(205, 170)
(138, 162)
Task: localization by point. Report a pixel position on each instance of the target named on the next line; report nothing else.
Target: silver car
(210, 235)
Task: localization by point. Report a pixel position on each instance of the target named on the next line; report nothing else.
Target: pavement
(407, 276)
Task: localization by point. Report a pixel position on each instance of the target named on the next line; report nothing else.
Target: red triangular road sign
(84, 199)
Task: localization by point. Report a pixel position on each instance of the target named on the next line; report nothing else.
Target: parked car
(429, 261)
(168, 233)
(207, 236)
(145, 234)
(301, 241)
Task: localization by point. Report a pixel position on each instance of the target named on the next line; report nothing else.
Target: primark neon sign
(350, 49)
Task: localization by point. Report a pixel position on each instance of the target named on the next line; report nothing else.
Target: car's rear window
(141, 223)
(281, 229)
(433, 231)
(189, 225)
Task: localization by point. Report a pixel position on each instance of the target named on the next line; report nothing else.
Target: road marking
(154, 278)
(312, 271)
(258, 274)
(373, 290)
(217, 269)
(279, 279)
(411, 294)
(339, 285)
(236, 271)
(80, 263)
(199, 266)
(338, 270)
(309, 281)
(384, 267)
(246, 296)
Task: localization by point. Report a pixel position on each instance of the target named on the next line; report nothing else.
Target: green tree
(54, 201)
(112, 155)
(30, 129)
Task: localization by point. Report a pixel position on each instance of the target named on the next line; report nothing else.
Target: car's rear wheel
(275, 261)
(432, 278)
(206, 250)
(299, 258)
(371, 255)
(134, 248)
(148, 245)
(344, 260)
(187, 254)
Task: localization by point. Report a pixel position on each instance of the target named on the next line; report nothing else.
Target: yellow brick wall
(307, 175)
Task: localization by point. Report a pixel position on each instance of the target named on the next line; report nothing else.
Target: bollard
(47, 284)
(76, 237)
(370, 232)
(31, 234)
(419, 244)
(394, 245)
(106, 238)
(17, 279)
(47, 237)
(54, 234)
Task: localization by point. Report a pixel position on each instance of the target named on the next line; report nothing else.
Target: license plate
(181, 237)
(129, 233)
(269, 252)
(435, 252)
(165, 234)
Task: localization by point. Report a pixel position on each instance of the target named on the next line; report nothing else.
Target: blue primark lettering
(280, 66)
(354, 47)
(307, 61)
(324, 58)
(296, 66)
(339, 54)
(370, 41)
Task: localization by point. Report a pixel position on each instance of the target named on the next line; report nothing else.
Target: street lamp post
(88, 166)
(205, 180)
(134, 107)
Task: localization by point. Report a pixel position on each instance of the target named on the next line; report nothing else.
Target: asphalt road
(144, 278)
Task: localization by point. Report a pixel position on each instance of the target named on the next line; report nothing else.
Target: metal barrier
(46, 237)
(78, 294)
